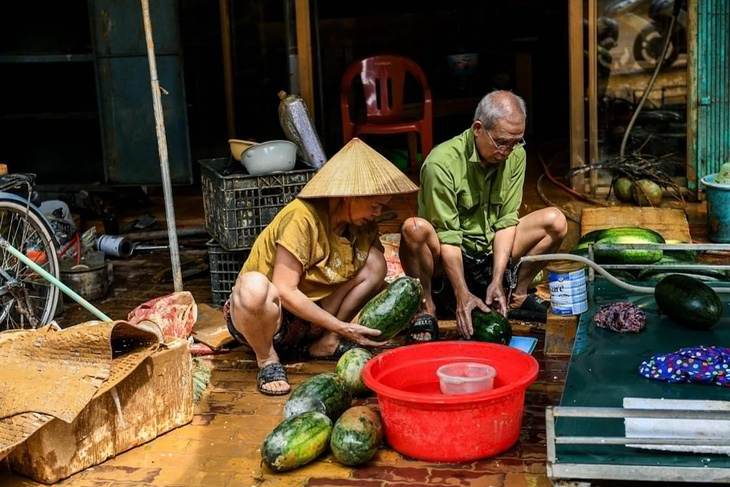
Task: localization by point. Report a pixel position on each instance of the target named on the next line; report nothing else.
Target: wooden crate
(671, 223)
(155, 398)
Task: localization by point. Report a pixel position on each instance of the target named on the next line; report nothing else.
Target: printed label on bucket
(567, 287)
(568, 298)
(575, 276)
(569, 309)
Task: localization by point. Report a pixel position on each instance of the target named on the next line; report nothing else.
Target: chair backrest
(383, 80)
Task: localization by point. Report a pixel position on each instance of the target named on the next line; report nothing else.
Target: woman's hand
(360, 334)
(464, 307)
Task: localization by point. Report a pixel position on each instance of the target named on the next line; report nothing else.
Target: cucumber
(490, 327)
(392, 309)
(688, 301)
(628, 235)
(325, 393)
(349, 369)
(297, 441)
(356, 436)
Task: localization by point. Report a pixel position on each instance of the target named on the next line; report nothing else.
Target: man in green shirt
(468, 230)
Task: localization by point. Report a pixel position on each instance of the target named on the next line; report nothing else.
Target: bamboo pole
(228, 67)
(304, 54)
(162, 147)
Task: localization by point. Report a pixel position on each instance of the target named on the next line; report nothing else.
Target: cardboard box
(154, 398)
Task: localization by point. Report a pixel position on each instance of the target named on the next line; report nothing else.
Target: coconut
(623, 188)
(647, 193)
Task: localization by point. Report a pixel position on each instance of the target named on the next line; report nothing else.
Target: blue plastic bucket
(718, 210)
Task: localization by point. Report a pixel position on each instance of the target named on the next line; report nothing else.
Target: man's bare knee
(555, 222)
(416, 231)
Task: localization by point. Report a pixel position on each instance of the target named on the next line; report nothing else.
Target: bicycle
(27, 300)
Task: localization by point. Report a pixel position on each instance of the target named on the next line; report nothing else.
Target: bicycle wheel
(26, 299)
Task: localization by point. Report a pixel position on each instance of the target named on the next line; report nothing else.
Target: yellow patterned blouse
(329, 260)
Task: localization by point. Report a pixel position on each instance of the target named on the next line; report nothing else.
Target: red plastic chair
(383, 81)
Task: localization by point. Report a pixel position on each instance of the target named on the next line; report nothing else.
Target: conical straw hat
(357, 170)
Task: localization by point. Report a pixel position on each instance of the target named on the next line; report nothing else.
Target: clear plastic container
(466, 378)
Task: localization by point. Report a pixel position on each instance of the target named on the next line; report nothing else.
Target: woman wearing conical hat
(316, 264)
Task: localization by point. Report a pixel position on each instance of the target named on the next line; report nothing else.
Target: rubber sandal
(533, 302)
(533, 308)
(273, 372)
(423, 323)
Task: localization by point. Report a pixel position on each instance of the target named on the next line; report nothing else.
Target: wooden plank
(560, 334)
(304, 55)
(577, 102)
(671, 223)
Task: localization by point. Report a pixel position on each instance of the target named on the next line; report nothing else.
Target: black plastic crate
(238, 207)
(225, 265)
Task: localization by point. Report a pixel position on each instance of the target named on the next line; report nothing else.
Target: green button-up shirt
(466, 201)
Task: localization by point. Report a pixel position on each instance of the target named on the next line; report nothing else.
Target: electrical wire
(557, 183)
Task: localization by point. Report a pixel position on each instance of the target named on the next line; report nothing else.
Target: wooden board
(671, 223)
(560, 334)
(211, 329)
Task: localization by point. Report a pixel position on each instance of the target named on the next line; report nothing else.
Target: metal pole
(50, 278)
(162, 147)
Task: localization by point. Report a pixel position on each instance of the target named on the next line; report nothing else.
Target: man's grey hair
(499, 105)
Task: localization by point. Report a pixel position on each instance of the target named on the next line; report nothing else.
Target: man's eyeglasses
(505, 147)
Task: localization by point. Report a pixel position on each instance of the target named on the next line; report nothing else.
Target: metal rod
(604, 440)
(668, 267)
(181, 232)
(50, 278)
(162, 147)
(592, 413)
(550, 433)
(601, 271)
(655, 246)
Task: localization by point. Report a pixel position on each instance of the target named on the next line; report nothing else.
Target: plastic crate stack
(237, 208)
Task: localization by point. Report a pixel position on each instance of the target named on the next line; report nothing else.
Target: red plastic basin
(423, 423)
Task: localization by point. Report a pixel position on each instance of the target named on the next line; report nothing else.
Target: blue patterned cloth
(694, 365)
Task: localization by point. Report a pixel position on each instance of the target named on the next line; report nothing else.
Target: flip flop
(533, 308)
(273, 372)
(423, 323)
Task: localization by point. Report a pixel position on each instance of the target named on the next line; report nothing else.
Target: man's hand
(495, 298)
(464, 308)
(359, 334)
